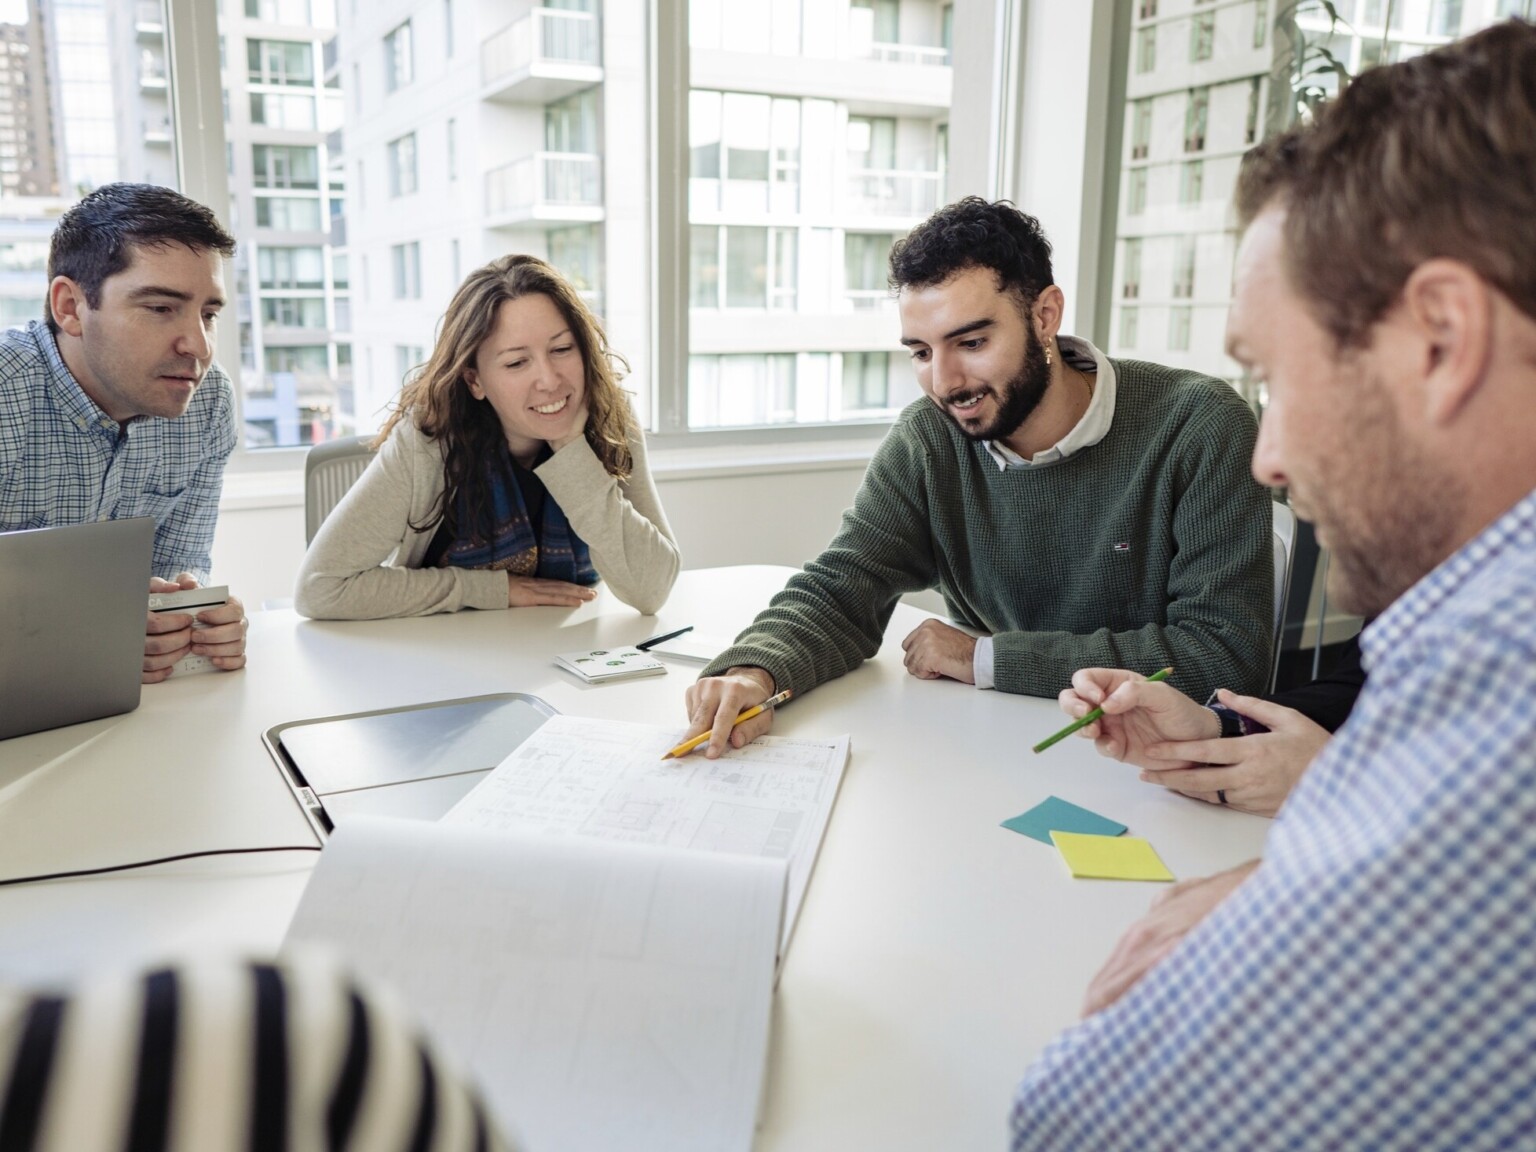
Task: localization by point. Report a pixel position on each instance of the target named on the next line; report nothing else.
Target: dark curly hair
(973, 233)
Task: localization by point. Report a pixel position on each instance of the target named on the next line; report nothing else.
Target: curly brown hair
(436, 397)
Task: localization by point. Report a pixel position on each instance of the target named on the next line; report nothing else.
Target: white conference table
(936, 952)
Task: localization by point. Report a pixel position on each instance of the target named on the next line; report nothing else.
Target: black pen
(644, 645)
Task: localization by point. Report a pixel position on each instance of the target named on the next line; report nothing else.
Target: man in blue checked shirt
(114, 408)
(1372, 982)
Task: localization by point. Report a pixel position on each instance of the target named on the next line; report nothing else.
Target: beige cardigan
(365, 562)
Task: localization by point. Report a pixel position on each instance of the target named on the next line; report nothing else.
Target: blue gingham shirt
(64, 461)
(1373, 984)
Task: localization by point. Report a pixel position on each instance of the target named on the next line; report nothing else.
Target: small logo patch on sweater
(1123, 547)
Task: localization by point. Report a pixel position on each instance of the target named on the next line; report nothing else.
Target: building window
(402, 165)
(280, 62)
(1128, 317)
(1148, 9)
(866, 257)
(408, 358)
(452, 145)
(339, 270)
(1179, 321)
(1196, 113)
(577, 252)
(288, 213)
(283, 110)
(1146, 49)
(405, 259)
(1202, 36)
(278, 11)
(293, 311)
(448, 28)
(1184, 268)
(1130, 285)
(1445, 18)
(1251, 128)
(285, 166)
(746, 267)
(1136, 192)
(869, 382)
(1260, 22)
(1141, 129)
(1191, 181)
(290, 267)
(735, 391)
(454, 272)
(399, 67)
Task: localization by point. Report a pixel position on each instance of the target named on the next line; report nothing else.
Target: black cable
(151, 863)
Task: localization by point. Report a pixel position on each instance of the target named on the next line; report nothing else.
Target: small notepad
(1054, 814)
(601, 665)
(1110, 857)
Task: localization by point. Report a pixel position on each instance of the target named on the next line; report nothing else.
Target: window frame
(985, 161)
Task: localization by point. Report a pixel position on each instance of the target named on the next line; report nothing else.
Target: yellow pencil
(689, 745)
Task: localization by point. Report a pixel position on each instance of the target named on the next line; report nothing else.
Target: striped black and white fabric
(228, 1056)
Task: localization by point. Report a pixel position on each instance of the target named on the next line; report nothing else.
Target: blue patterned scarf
(557, 553)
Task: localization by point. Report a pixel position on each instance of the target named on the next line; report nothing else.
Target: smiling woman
(512, 471)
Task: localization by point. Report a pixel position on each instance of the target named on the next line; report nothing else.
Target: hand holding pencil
(1089, 700)
(715, 707)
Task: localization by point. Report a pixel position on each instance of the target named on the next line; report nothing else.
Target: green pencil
(1096, 714)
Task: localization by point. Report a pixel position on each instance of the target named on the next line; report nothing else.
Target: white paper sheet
(606, 779)
(604, 995)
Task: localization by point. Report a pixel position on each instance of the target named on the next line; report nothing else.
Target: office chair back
(1285, 553)
(329, 470)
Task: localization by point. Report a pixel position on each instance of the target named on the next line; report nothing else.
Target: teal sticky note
(1054, 814)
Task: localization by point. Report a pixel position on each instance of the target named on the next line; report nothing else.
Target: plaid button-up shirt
(1373, 984)
(64, 461)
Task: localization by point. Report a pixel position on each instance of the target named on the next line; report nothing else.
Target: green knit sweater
(1149, 548)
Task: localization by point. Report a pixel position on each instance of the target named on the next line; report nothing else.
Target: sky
(13, 11)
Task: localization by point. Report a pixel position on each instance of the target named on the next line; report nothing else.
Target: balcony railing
(908, 54)
(888, 192)
(544, 36)
(544, 180)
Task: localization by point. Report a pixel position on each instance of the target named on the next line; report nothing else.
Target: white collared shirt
(1088, 431)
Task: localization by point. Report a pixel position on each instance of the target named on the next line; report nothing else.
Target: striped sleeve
(290, 1057)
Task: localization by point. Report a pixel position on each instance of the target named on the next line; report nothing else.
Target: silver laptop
(74, 603)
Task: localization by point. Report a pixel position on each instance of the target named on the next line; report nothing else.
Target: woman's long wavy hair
(437, 399)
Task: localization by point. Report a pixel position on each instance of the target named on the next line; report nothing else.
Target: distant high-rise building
(28, 161)
(817, 135)
(1207, 81)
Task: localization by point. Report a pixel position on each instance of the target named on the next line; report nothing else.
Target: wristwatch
(1232, 723)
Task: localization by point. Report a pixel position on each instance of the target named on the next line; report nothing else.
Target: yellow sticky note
(1110, 857)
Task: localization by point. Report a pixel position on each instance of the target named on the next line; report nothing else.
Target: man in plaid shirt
(1372, 982)
(113, 408)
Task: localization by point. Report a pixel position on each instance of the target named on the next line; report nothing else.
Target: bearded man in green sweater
(1078, 511)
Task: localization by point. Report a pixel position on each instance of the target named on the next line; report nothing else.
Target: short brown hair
(1431, 157)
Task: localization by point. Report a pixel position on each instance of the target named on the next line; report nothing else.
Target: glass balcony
(890, 192)
(555, 186)
(546, 55)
